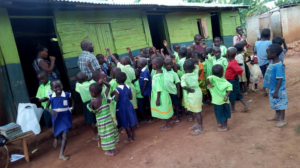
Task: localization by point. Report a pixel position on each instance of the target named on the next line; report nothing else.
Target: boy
(43, 95)
(260, 48)
(220, 90)
(232, 72)
(176, 48)
(280, 41)
(218, 43)
(102, 62)
(82, 87)
(198, 45)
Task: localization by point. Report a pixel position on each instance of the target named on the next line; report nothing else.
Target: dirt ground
(251, 142)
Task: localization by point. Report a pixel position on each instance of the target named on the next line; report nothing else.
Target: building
(27, 23)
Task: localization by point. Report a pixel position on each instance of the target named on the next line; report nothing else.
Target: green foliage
(285, 2)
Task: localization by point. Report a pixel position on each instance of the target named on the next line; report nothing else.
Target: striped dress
(106, 128)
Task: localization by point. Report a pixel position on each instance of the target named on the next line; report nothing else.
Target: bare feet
(222, 129)
(107, 153)
(114, 152)
(95, 138)
(129, 140)
(123, 131)
(55, 143)
(197, 132)
(196, 126)
(165, 128)
(276, 117)
(281, 123)
(246, 109)
(62, 157)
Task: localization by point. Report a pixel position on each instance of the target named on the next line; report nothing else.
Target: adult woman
(40, 63)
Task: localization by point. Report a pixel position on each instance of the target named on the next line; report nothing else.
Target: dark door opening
(158, 31)
(28, 34)
(215, 24)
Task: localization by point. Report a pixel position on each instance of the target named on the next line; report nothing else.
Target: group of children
(158, 84)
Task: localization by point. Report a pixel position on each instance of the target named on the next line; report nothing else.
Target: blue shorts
(175, 100)
(140, 103)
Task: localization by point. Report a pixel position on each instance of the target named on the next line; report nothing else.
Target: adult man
(87, 56)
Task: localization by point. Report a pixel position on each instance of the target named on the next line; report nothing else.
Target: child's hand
(162, 51)
(109, 100)
(153, 49)
(107, 49)
(204, 45)
(142, 51)
(128, 49)
(100, 81)
(52, 59)
(53, 113)
(88, 63)
(157, 102)
(210, 85)
(191, 90)
(136, 59)
(189, 47)
(225, 99)
(174, 61)
(165, 43)
(105, 58)
(178, 95)
(275, 95)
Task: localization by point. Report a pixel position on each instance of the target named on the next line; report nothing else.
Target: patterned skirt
(203, 87)
(280, 103)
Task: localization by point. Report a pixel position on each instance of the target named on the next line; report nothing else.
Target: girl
(113, 85)
(61, 115)
(125, 112)
(161, 104)
(240, 60)
(256, 75)
(192, 92)
(106, 128)
(275, 80)
(240, 37)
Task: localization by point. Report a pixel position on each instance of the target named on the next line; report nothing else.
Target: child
(113, 86)
(256, 75)
(101, 62)
(201, 79)
(61, 115)
(220, 89)
(182, 54)
(280, 41)
(260, 48)
(139, 96)
(106, 128)
(198, 45)
(125, 112)
(176, 48)
(232, 72)
(215, 59)
(161, 104)
(192, 92)
(43, 95)
(125, 66)
(172, 84)
(82, 87)
(240, 37)
(275, 81)
(218, 43)
(240, 60)
(145, 86)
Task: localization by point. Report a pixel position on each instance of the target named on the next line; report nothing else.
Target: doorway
(215, 25)
(29, 33)
(159, 31)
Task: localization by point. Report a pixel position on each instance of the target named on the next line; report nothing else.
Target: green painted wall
(229, 20)
(10, 59)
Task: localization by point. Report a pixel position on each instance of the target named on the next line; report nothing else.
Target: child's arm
(114, 59)
(135, 62)
(130, 53)
(158, 99)
(115, 92)
(195, 58)
(210, 85)
(168, 49)
(145, 86)
(107, 86)
(89, 65)
(188, 89)
(174, 65)
(178, 89)
(73, 104)
(162, 51)
(284, 44)
(52, 112)
(130, 96)
(279, 82)
(227, 95)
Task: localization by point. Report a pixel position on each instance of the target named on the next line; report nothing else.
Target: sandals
(165, 128)
(196, 126)
(127, 141)
(177, 122)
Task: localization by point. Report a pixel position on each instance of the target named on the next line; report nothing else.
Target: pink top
(240, 38)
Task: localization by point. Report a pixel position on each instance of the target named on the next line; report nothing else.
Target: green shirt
(44, 91)
(129, 71)
(181, 62)
(113, 85)
(223, 50)
(153, 72)
(191, 81)
(176, 56)
(211, 61)
(138, 89)
(171, 79)
(84, 90)
(218, 91)
(180, 73)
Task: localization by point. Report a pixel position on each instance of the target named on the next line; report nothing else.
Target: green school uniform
(83, 90)
(113, 104)
(218, 92)
(129, 71)
(44, 91)
(192, 101)
(211, 61)
(181, 62)
(153, 72)
(138, 89)
(176, 56)
(165, 110)
(223, 50)
(171, 79)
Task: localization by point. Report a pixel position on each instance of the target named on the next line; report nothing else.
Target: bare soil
(251, 142)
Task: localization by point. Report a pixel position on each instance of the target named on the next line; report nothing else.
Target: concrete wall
(229, 20)
(290, 23)
(252, 24)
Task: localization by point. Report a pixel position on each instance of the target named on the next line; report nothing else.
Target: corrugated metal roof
(166, 3)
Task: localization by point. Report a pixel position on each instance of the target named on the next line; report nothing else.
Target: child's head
(125, 60)
(100, 59)
(43, 77)
(209, 50)
(189, 53)
(239, 30)
(273, 51)
(114, 71)
(197, 39)
(182, 52)
(217, 52)
(199, 55)
(95, 89)
(231, 53)
(217, 41)
(239, 47)
(277, 40)
(56, 86)
(157, 63)
(82, 77)
(153, 56)
(266, 33)
(218, 70)
(177, 66)
(142, 55)
(142, 62)
(189, 65)
(97, 75)
(116, 55)
(168, 63)
(176, 47)
(121, 78)
(87, 45)
(42, 51)
(137, 74)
